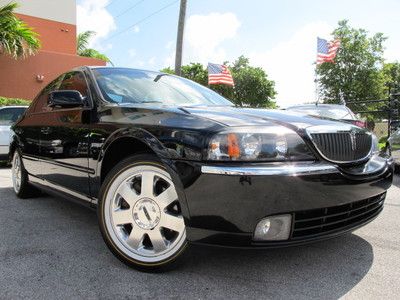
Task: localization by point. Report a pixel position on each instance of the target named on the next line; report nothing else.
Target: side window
(10, 115)
(40, 103)
(75, 81)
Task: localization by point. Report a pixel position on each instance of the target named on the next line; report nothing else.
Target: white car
(393, 146)
(8, 115)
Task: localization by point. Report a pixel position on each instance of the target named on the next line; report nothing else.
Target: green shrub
(4, 101)
(383, 139)
(382, 142)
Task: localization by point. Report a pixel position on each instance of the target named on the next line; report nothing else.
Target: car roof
(14, 106)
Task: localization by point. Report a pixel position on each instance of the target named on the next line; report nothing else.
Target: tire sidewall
(24, 185)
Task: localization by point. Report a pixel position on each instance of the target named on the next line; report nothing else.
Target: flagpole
(316, 77)
(316, 86)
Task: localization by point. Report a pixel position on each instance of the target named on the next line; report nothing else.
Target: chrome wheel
(16, 172)
(142, 214)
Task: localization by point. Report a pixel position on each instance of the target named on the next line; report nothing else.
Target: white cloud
(290, 64)
(204, 35)
(136, 29)
(93, 15)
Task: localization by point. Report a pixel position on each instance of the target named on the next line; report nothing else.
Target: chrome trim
(46, 183)
(59, 164)
(283, 170)
(337, 129)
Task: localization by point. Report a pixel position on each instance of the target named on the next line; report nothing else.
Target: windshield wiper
(158, 77)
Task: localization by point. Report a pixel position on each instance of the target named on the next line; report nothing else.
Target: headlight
(375, 144)
(273, 143)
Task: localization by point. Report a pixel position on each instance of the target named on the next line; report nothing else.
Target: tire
(22, 188)
(139, 214)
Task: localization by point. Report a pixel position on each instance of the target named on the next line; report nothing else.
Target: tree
(356, 72)
(391, 73)
(82, 42)
(252, 86)
(16, 38)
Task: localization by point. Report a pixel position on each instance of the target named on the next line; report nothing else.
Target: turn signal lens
(233, 146)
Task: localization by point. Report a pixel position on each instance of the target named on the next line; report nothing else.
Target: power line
(110, 3)
(129, 8)
(142, 20)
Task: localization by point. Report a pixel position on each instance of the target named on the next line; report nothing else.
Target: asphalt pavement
(51, 248)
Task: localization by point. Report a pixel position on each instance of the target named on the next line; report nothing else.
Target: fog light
(275, 228)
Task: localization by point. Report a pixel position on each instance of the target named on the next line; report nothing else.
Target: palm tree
(82, 42)
(16, 38)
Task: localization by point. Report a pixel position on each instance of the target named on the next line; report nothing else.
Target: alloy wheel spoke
(172, 222)
(128, 193)
(122, 216)
(157, 240)
(147, 185)
(167, 197)
(135, 239)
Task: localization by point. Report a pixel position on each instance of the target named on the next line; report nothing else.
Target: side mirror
(66, 99)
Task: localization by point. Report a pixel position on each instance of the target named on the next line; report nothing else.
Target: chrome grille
(343, 146)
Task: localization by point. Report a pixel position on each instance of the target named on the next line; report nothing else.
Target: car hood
(233, 116)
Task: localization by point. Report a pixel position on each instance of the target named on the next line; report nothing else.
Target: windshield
(124, 86)
(8, 116)
(339, 112)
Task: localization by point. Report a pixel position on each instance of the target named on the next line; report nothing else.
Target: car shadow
(67, 233)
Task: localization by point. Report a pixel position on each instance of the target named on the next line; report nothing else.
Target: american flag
(326, 51)
(219, 74)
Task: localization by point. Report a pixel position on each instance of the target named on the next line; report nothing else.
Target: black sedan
(168, 162)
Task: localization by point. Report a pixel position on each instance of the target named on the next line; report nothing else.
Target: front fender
(137, 134)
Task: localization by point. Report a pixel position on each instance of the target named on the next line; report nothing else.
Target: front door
(64, 137)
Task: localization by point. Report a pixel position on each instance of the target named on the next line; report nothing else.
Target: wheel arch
(126, 142)
(142, 142)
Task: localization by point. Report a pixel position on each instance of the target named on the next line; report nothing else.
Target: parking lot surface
(51, 248)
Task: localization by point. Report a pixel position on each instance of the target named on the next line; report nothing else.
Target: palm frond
(82, 40)
(17, 39)
(95, 54)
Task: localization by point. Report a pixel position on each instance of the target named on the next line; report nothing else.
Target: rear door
(64, 136)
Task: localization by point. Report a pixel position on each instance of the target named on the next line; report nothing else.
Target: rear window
(9, 116)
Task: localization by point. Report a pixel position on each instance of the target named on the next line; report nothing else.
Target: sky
(279, 36)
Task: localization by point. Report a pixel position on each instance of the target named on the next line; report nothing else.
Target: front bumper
(225, 202)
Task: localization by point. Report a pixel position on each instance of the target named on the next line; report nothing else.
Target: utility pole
(179, 38)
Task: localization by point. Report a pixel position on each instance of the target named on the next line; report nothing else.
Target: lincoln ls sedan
(168, 163)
